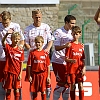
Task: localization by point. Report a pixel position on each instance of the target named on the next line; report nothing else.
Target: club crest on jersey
(80, 50)
(42, 57)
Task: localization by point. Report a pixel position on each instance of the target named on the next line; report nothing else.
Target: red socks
(43, 96)
(72, 95)
(81, 94)
(17, 96)
(8, 96)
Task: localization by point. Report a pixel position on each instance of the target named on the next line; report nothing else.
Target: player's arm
(21, 43)
(57, 48)
(10, 31)
(49, 45)
(70, 60)
(29, 74)
(84, 68)
(97, 16)
(27, 46)
(20, 75)
(48, 78)
(67, 56)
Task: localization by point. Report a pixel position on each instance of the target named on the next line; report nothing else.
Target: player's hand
(84, 70)
(10, 31)
(48, 80)
(73, 60)
(20, 47)
(30, 79)
(20, 77)
(68, 44)
(47, 50)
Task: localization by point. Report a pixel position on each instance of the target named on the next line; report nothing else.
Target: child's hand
(19, 77)
(84, 70)
(30, 79)
(48, 80)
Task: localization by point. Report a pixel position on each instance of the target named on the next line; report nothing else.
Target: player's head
(70, 21)
(76, 32)
(15, 37)
(0, 18)
(37, 17)
(39, 42)
(6, 18)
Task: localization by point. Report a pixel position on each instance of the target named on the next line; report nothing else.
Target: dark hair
(6, 15)
(68, 18)
(76, 29)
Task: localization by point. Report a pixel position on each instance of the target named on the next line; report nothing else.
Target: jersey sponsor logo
(42, 57)
(77, 54)
(80, 50)
(87, 88)
(38, 61)
(15, 56)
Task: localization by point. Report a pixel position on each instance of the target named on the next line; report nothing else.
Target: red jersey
(76, 51)
(14, 58)
(38, 60)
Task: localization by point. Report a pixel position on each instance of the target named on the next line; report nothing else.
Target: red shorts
(73, 78)
(12, 82)
(38, 82)
(59, 71)
(2, 65)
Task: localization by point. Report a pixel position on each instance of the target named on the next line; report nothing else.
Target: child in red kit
(75, 64)
(13, 66)
(38, 69)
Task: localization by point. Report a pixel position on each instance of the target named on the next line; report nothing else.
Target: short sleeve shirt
(31, 32)
(76, 51)
(3, 32)
(38, 60)
(61, 37)
(14, 58)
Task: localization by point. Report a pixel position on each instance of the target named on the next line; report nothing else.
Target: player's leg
(48, 91)
(16, 94)
(79, 78)
(2, 92)
(8, 94)
(65, 93)
(20, 92)
(72, 86)
(81, 91)
(43, 95)
(57, 92)
(34, 96)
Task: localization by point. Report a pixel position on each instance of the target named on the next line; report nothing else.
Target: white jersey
(61, 38)
(3, 32)
(31, 32)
